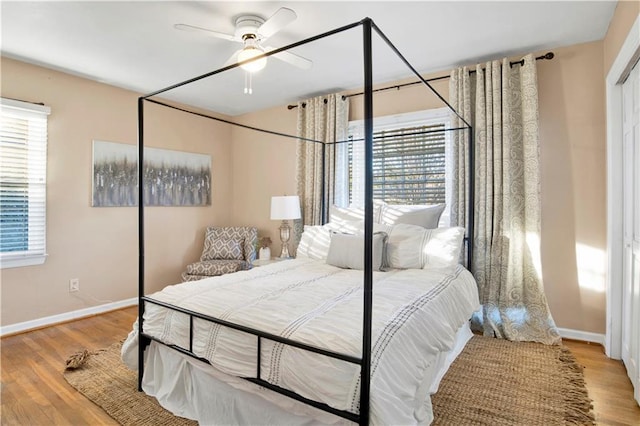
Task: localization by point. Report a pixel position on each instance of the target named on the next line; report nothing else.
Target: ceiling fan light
(248, 53)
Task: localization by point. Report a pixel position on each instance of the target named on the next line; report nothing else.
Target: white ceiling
(134, 45)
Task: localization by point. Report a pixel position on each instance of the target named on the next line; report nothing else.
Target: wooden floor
(35, 393)
(608, 385)
(33, 389)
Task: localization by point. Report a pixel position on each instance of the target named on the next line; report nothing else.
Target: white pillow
(414, 247)
(314, 242)
(341, 215)
(425, 216)
(346, 227)
(347, 251)
(405, 246)
(442, 247)
(378, 205)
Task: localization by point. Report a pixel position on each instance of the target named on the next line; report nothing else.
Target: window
(409, 158)
(23, 171)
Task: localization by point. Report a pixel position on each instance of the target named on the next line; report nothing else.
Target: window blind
(23, 171)
(409, 161)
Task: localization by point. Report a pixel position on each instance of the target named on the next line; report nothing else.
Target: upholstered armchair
(226, 250)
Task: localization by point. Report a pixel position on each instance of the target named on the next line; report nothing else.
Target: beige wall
(263, 165)
(99, 245)
(573, 168)
(573, 162)
(406, 99)
(625, 15)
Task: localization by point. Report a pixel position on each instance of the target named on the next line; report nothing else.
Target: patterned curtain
(325, 119)
(501, 103)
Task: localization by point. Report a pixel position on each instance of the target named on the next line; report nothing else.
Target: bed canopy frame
(368, 27)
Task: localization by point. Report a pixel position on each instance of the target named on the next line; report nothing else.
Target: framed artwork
(171, 178)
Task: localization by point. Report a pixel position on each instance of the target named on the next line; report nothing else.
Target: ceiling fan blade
(283, 17)
(292, 58)
(233, 59)
(192, 28)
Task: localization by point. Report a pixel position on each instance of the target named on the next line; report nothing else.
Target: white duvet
(416, 314)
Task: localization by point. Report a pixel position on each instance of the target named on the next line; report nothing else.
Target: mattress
(416, 314)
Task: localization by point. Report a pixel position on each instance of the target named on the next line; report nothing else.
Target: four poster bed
(302, 341)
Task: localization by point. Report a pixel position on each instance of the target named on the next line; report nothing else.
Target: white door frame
(620, 68)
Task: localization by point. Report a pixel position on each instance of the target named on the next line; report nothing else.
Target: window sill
(20, 261)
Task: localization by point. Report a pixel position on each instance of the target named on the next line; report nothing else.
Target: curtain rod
(548, 55)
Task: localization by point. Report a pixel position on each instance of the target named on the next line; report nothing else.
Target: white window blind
(23, 172)
(409, 158)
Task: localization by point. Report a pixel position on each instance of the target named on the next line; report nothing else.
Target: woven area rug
(492, 382)
(108, 383)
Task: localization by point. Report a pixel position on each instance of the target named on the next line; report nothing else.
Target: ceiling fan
(252, 31)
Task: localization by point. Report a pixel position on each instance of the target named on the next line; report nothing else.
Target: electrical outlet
(74, 285)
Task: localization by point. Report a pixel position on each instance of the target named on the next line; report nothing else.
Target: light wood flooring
(35, 393)
(608, 385)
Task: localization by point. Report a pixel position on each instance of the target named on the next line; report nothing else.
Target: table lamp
(284, 208)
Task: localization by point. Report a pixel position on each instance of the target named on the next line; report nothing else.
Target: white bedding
(198, 391)
(416, 315)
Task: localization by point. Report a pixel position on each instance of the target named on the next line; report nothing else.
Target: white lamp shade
(285, 207)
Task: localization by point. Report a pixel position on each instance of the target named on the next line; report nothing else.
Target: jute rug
(493, 382)
(497, 382)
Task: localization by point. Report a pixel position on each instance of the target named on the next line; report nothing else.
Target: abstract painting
(171, 178)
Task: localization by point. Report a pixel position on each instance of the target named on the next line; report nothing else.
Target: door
(631, 228)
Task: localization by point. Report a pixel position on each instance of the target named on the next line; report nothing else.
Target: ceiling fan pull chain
(248, 89)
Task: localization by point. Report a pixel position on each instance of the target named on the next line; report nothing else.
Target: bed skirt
(198, 391)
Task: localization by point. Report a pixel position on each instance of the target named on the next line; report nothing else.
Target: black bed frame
(363, 417)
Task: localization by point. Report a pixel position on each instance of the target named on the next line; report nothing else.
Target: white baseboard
(585, 336)
(67, 316)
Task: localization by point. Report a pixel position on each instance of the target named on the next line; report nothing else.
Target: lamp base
(285, 234)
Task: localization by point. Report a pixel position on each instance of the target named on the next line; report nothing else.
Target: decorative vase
(264, 253)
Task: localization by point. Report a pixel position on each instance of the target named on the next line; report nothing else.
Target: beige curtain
(325, 119)
(501, 103)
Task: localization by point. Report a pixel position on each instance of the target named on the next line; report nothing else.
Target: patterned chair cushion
(186, 277)
(224, 248)
(246, 234)
(216, 267)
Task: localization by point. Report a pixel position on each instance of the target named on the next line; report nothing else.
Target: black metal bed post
(471, 198)
(365, 370)
(141, 346)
